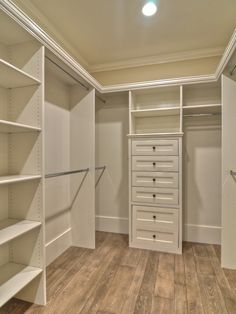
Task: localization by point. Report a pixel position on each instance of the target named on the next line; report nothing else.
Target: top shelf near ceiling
(12, 77)
(202, 109)
(164, 111)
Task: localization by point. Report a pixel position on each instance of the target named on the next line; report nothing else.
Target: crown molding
(29, 25)
(158, 59)
(35, 13)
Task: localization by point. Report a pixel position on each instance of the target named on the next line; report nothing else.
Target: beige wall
(159, 71)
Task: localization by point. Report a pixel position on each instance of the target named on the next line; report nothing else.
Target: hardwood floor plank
(161, 306)
(144, 300)
(200, 250)
(132, 294)
(116, 295)
(131, 257)
(203, 265)
(181, 306)
(228, 294)
(211, 296)
(179, 270)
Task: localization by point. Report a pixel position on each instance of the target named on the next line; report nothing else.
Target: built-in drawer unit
(155, 195)
(154, 147)
(155, 179)
(157, 227)
(155, 218)
(155, 163)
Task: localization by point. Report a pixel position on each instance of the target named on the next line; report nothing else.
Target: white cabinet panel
(155, 163)
(154, 147)
(155, 179)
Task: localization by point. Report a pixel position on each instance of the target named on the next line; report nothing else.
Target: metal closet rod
(65, 173)
(202, 114)
(75, 79)
(100, 168)
(232, 71)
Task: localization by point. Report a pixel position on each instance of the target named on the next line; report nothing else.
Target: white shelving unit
(13, 228)
(202, 109)
(21, 166)
(12, 77)
(174, 111)
(18, 178)
(13, 278)
(13, 127)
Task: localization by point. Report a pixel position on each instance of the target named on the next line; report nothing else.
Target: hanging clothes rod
(201, 114)
(100, 168)
(65, 173)
(233, 70)
(100, 175)
(75, 79)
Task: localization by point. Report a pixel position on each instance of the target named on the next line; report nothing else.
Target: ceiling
(111, 34)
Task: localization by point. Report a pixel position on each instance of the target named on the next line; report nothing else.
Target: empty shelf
(13, 77)
(13, 228)
(13, 278)
(174, 111)
(202, 109)
(155, 134)
(17, 178)
(13, 127)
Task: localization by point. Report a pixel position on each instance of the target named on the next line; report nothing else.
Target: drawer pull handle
(154, 164)
(154, 217)
(154, 148)
(154, 195)
(154, 180)
(154, 236)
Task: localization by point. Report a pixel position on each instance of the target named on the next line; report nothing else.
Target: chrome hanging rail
(99, 168)
(65, 173)
(70, 75)
(233, 70)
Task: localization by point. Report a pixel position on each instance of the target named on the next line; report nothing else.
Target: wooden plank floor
(117, 279)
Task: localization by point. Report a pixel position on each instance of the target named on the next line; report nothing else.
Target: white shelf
(13, 228)
(202, 109)
(13, 278)
(156, 134)
(13, 127)
(17, 178)
(173, 111)
(13, 77)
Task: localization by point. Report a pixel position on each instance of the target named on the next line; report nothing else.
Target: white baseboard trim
(202, 234)
(112, 224)
(57, 246)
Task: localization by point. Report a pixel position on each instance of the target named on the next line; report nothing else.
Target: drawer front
(151, 218)
(155, 147)
(156, 237)
(154, 163)
(155, 195)
(155, 179)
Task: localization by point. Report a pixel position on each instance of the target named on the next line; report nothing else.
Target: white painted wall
(202, 184)
(112, 151)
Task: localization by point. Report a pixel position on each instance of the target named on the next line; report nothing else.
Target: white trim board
(57, 246)
(112, 224)
(28, 24)
(202, 234)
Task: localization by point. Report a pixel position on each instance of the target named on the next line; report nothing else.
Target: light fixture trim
(149, 8)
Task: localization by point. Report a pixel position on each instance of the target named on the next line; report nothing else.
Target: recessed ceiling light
(149, 8)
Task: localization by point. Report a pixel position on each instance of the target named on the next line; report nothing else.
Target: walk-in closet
(117, 158)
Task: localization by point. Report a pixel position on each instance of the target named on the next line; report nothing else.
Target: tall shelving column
(155, 169)
(22, 258)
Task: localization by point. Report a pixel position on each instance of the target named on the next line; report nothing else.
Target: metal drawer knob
(154, 217)
(154, 164)
(154, 195)
(154, 148)
(154, 180)
(154, 236)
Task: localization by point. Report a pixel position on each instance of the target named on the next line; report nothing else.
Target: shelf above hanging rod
(65, 173)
